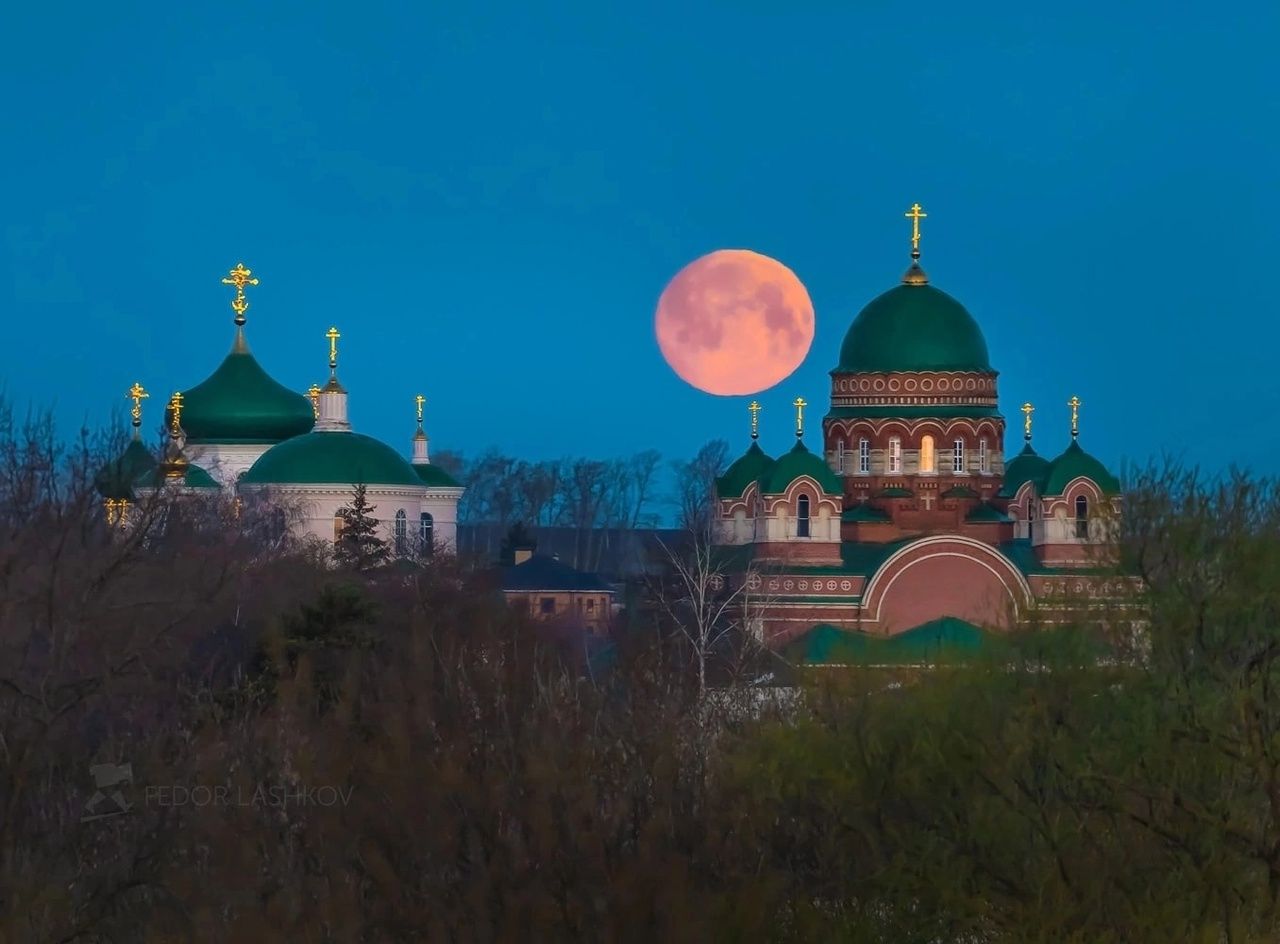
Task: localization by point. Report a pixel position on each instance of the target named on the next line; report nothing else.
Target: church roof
(193, 477)
(1075, 463)
(939, 640)
(331, 458)
(747, 468)
(115, 479)
(914, 327)
(794, 464)
(1026, 466)
(241, 403)
(434, 476)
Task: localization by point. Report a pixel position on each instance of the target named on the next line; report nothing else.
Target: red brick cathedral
(912, 520)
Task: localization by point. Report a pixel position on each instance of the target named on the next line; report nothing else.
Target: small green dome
(193, 477)
(1026, 466)
(241, 403)
(914, 327)
(435, 477)
(747, 468)
(115, 480)
(1075, 463)
(331, 458)
(789, 467)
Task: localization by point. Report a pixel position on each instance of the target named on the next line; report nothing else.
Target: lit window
(337, 528)
(864, 455)
(426, 533)
(895, 456)
(957, 457)
(1082, 517)
(802, 516)
(928, 459)
(984, 458)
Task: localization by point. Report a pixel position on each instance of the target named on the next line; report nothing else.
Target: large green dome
(331, 458)
(914, 327)
(747, 468)
(241, 403)
(1026, 466)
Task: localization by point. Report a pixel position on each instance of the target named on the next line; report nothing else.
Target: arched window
(401, 532)
(895, 455)
(802, 516)
(984, 457)
(426, 534)
(864, 455)
(957, 457)
(928, 457)
(1082, 517)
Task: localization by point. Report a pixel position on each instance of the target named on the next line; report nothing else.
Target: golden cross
(314, 393)
(240, 277)
(333, 335)
(915, 215)
(1027, 410)
(800, 404)
(1075, 403)
(137, 395)
(419, 399)
(175, 406)
(754, 407)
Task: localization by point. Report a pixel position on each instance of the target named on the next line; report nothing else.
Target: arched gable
(807, 485)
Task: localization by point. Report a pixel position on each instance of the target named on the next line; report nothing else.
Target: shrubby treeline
(496, 791)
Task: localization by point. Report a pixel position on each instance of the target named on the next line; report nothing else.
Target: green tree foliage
(358, 546)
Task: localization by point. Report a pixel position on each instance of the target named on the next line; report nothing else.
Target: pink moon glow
(734, 322)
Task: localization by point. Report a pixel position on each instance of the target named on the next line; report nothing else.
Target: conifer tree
(358, 546)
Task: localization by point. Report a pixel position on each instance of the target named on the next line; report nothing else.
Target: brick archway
(944, 576)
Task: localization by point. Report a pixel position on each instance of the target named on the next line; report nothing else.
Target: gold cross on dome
(419, 400)
(1027, 410)
(175, 408)
(240, 277)
(1075, 404)
(800, 404)
(333, 335)
(915, 215)
(137, 395)
(755, 408)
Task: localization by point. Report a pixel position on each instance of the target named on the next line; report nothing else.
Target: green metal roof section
(914, 327)
(747, 468)
(115, 480)
(331, 458)
(942, 640)
(863, 512)
(435, 477)
(894, 491)
(960, 491)
(1026, 466)
(194, 477)
(1075, 463)
(941, 411)
(791, 465)
(987, 513)
(241, 403)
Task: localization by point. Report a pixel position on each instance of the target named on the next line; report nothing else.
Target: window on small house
(591, 604)
(957, 457)
(984, 457)
(895, 456)
(864, 455)
(426, 533)
(401, 532)
(802, 516)
(928, 457)
(547, 605)
(1082, 516)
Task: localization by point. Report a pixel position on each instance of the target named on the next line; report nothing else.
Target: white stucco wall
(225, 461)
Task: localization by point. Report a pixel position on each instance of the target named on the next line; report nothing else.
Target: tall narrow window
(864, 455)
(895, 456)
(840, 456)
(426, 533)
(928, 457)
(1082, 517)
(802, 516)
(401, 532)
(984, 458)
(957, 458)
(337, 527)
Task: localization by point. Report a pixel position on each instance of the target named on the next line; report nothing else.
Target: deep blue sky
(488, 204)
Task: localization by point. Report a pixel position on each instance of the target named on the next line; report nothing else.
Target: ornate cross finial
(333, 335)
(419, 400)
(1027, 410)
(240, 277)
(915, 215)
(313, 393)
(175, 410)
(800, 404)
(137, 395)
(755, 408)
(1075, 404)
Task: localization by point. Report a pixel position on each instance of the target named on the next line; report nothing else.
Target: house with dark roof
(551, 590)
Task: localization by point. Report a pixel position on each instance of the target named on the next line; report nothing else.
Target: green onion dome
(747, 468)
(1075, 463)
(331, 458)
(1026, 466)
(192, 477)
(435, 477)
(115, 480)
(794, 464)
(914, 327)
(241, 403)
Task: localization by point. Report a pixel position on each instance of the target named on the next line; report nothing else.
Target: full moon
(734, 322)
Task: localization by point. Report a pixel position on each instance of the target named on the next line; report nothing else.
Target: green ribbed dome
(1026, 466)
(115, 480)
(331, 458)
(747, 468)
(435, 477)
(914, 327)
(241, 403)
(790, 466)
(1075, 463)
